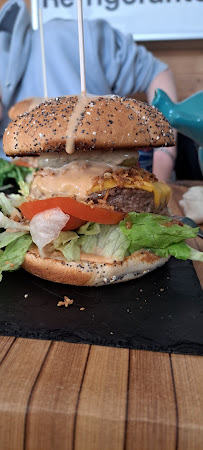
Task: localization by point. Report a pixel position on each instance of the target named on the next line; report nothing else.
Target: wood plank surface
(18, 373)
(52, 409)
(151, 417)
(65, 399)
(188, 380)
(5, 344)
(101, 413)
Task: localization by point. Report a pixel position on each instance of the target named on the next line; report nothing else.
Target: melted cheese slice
(161, 191)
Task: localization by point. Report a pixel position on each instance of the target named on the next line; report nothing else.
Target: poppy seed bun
(84, 273)
(104, 123)
(24, 106)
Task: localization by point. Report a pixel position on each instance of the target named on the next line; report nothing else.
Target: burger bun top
(23, 106)
(103, 123)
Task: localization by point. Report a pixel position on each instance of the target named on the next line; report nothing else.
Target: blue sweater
(115, 64)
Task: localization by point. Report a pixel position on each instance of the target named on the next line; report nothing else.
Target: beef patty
(126, 200)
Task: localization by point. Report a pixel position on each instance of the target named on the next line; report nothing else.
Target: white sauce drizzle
(83, 101)
(74, 121)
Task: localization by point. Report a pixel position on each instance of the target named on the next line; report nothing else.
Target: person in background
(114, 64)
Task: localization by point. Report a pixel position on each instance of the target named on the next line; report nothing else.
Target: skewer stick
(81, 47)
(43, 53)
(34, 14)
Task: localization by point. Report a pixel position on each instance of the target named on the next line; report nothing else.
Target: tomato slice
(74, 223)
(72, 207)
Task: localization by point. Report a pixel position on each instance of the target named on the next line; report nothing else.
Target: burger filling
(107, 184)
(90, 210)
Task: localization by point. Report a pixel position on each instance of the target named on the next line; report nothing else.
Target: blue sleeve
(15, 30)
(128, 67)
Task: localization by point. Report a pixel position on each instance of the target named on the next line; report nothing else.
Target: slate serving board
(162, 311)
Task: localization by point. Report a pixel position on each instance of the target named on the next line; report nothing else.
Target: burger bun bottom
(84, 273)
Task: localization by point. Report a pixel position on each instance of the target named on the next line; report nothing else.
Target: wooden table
(56, 395)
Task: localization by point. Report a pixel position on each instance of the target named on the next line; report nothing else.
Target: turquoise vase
(186, 116)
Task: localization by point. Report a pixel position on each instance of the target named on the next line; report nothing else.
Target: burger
(90, 215)
(24, 106)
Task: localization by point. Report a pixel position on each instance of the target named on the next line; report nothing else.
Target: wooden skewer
(83, 100)
(43, 53)
(81, 47)
(34, 14)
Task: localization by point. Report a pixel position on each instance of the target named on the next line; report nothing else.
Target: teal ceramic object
(186, 116)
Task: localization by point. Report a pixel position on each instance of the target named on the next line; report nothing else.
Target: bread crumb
(26, 295)
(67, 301)
(82, 309)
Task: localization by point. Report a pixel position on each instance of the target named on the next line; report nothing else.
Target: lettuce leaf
(5, 223)
(66, 244)
(89, 229)
(10, 203)
(179, 251)
(6, 238)
(9, 171)
(71, 250)
(155, 233)
(104, 240)
(5, 204)
(16, 199)
(158, 234)
(14, 254)
(64, 237)
(109, 242)
(24, 188)
(46, 226)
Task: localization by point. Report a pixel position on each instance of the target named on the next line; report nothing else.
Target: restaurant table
(59, 395)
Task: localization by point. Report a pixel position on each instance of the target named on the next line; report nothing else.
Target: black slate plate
(162, 311)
